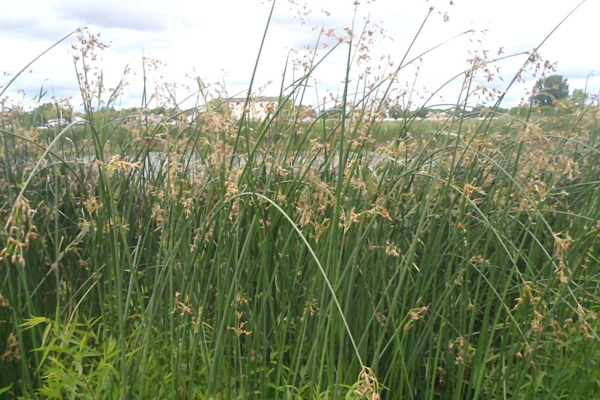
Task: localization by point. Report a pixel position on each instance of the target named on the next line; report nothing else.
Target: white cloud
(133, 15)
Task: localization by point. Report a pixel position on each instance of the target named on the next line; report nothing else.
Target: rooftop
(253, 99)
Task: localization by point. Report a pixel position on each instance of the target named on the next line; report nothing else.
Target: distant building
(197, 112)
(437, 115)
(258, 107)
(57, 122)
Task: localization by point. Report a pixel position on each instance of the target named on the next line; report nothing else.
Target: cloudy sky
(219, 42)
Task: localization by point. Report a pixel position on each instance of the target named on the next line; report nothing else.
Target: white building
(258, 107)
(197, 112)
(437, 115)
(57, 122)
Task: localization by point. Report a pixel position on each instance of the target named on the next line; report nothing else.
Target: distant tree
(501, 110)
(550, 89)
(395, 111)
(218, 105)
(476, 112)
(420, 113)
(307, 111)
(286, 105)
(333, 112)
(47, 111)
(579, 97)
(519, 111)
(159, 111)
(286, 108)
(547, 111)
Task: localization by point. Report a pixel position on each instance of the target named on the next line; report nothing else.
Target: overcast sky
(219, 41)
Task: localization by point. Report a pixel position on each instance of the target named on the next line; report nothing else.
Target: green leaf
(58, 349)
(46, 332)
(78, 368)
(6, 389)
(34, 321)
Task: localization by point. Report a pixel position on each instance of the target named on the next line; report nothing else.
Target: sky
(220, 41)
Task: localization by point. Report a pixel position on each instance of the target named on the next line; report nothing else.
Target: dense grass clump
(285, 258)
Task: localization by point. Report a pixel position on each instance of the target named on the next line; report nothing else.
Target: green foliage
(218, 105)
(159, 111)
(210, 295)
(306, 112)
(52, 111)
(333, 112)
(551, 89)
(547, 110)
(395, 111)
(579, 97)
(519, 112)
(420, 113)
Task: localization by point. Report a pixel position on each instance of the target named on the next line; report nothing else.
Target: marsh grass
(342, 258)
